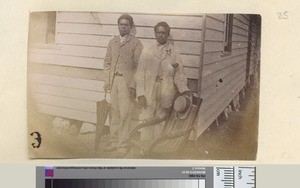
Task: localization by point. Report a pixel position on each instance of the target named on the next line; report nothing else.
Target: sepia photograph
(143, 86)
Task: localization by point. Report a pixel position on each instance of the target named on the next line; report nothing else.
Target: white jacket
(172, 73)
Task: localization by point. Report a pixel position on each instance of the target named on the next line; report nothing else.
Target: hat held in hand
(183, 106)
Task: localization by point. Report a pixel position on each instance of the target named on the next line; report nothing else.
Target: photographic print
(146, 86)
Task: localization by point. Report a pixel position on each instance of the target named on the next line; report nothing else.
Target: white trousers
(121, 109)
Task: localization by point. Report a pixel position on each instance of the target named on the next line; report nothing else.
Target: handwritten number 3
(38, 138)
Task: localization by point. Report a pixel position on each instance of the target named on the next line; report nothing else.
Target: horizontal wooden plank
(224, 100)
(71, 50)
(68, 113)
(79, 83)
(221, 77)
(49, 46)
(212, 46)
(78, 39)
(70, 103)
(102, 41)
(239, 44)
(43, 57)
(213, 23)
(110, 30)
(237, 38)
(246, 16)
(174, 21)
(238, 30)
(191, 48)
(220, 17)
(207, 118)
(212, 57)
(66, 92)
(219, 65)
(217, 86)
(192, 73)
(176, 34)
(241, 18)
(214, 35)
(190, 60)
(220, 95)
(215, 77)
(93, 85)
(68, 56)
(217, 98)
(92, 29)
(178, 21)
(227, 89)
(240, 24)
(74, 72)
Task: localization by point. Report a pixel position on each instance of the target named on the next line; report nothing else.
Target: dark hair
(162, 24)
(126, 17)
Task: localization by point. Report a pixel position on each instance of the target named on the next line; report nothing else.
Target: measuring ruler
(149, 177)
(234, 177)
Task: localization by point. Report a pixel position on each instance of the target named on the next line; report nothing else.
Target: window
(228, 33)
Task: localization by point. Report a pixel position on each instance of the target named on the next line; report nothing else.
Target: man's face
(161, 35)
(124, 27)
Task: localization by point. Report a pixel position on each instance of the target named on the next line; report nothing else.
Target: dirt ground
(233, 139)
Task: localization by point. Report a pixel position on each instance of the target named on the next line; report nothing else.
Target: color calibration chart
(145, 177)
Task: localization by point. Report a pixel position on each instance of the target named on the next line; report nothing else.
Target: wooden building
(220, 52)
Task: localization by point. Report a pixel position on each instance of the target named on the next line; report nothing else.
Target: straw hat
(183, 106)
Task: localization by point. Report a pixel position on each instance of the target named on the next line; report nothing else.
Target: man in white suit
(159, 76)
(120, 65)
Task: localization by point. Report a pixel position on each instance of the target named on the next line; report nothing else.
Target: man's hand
(142, 101)
(106, 88)
(132, 94)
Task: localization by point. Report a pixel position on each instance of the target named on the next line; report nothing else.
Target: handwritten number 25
(283, 15)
